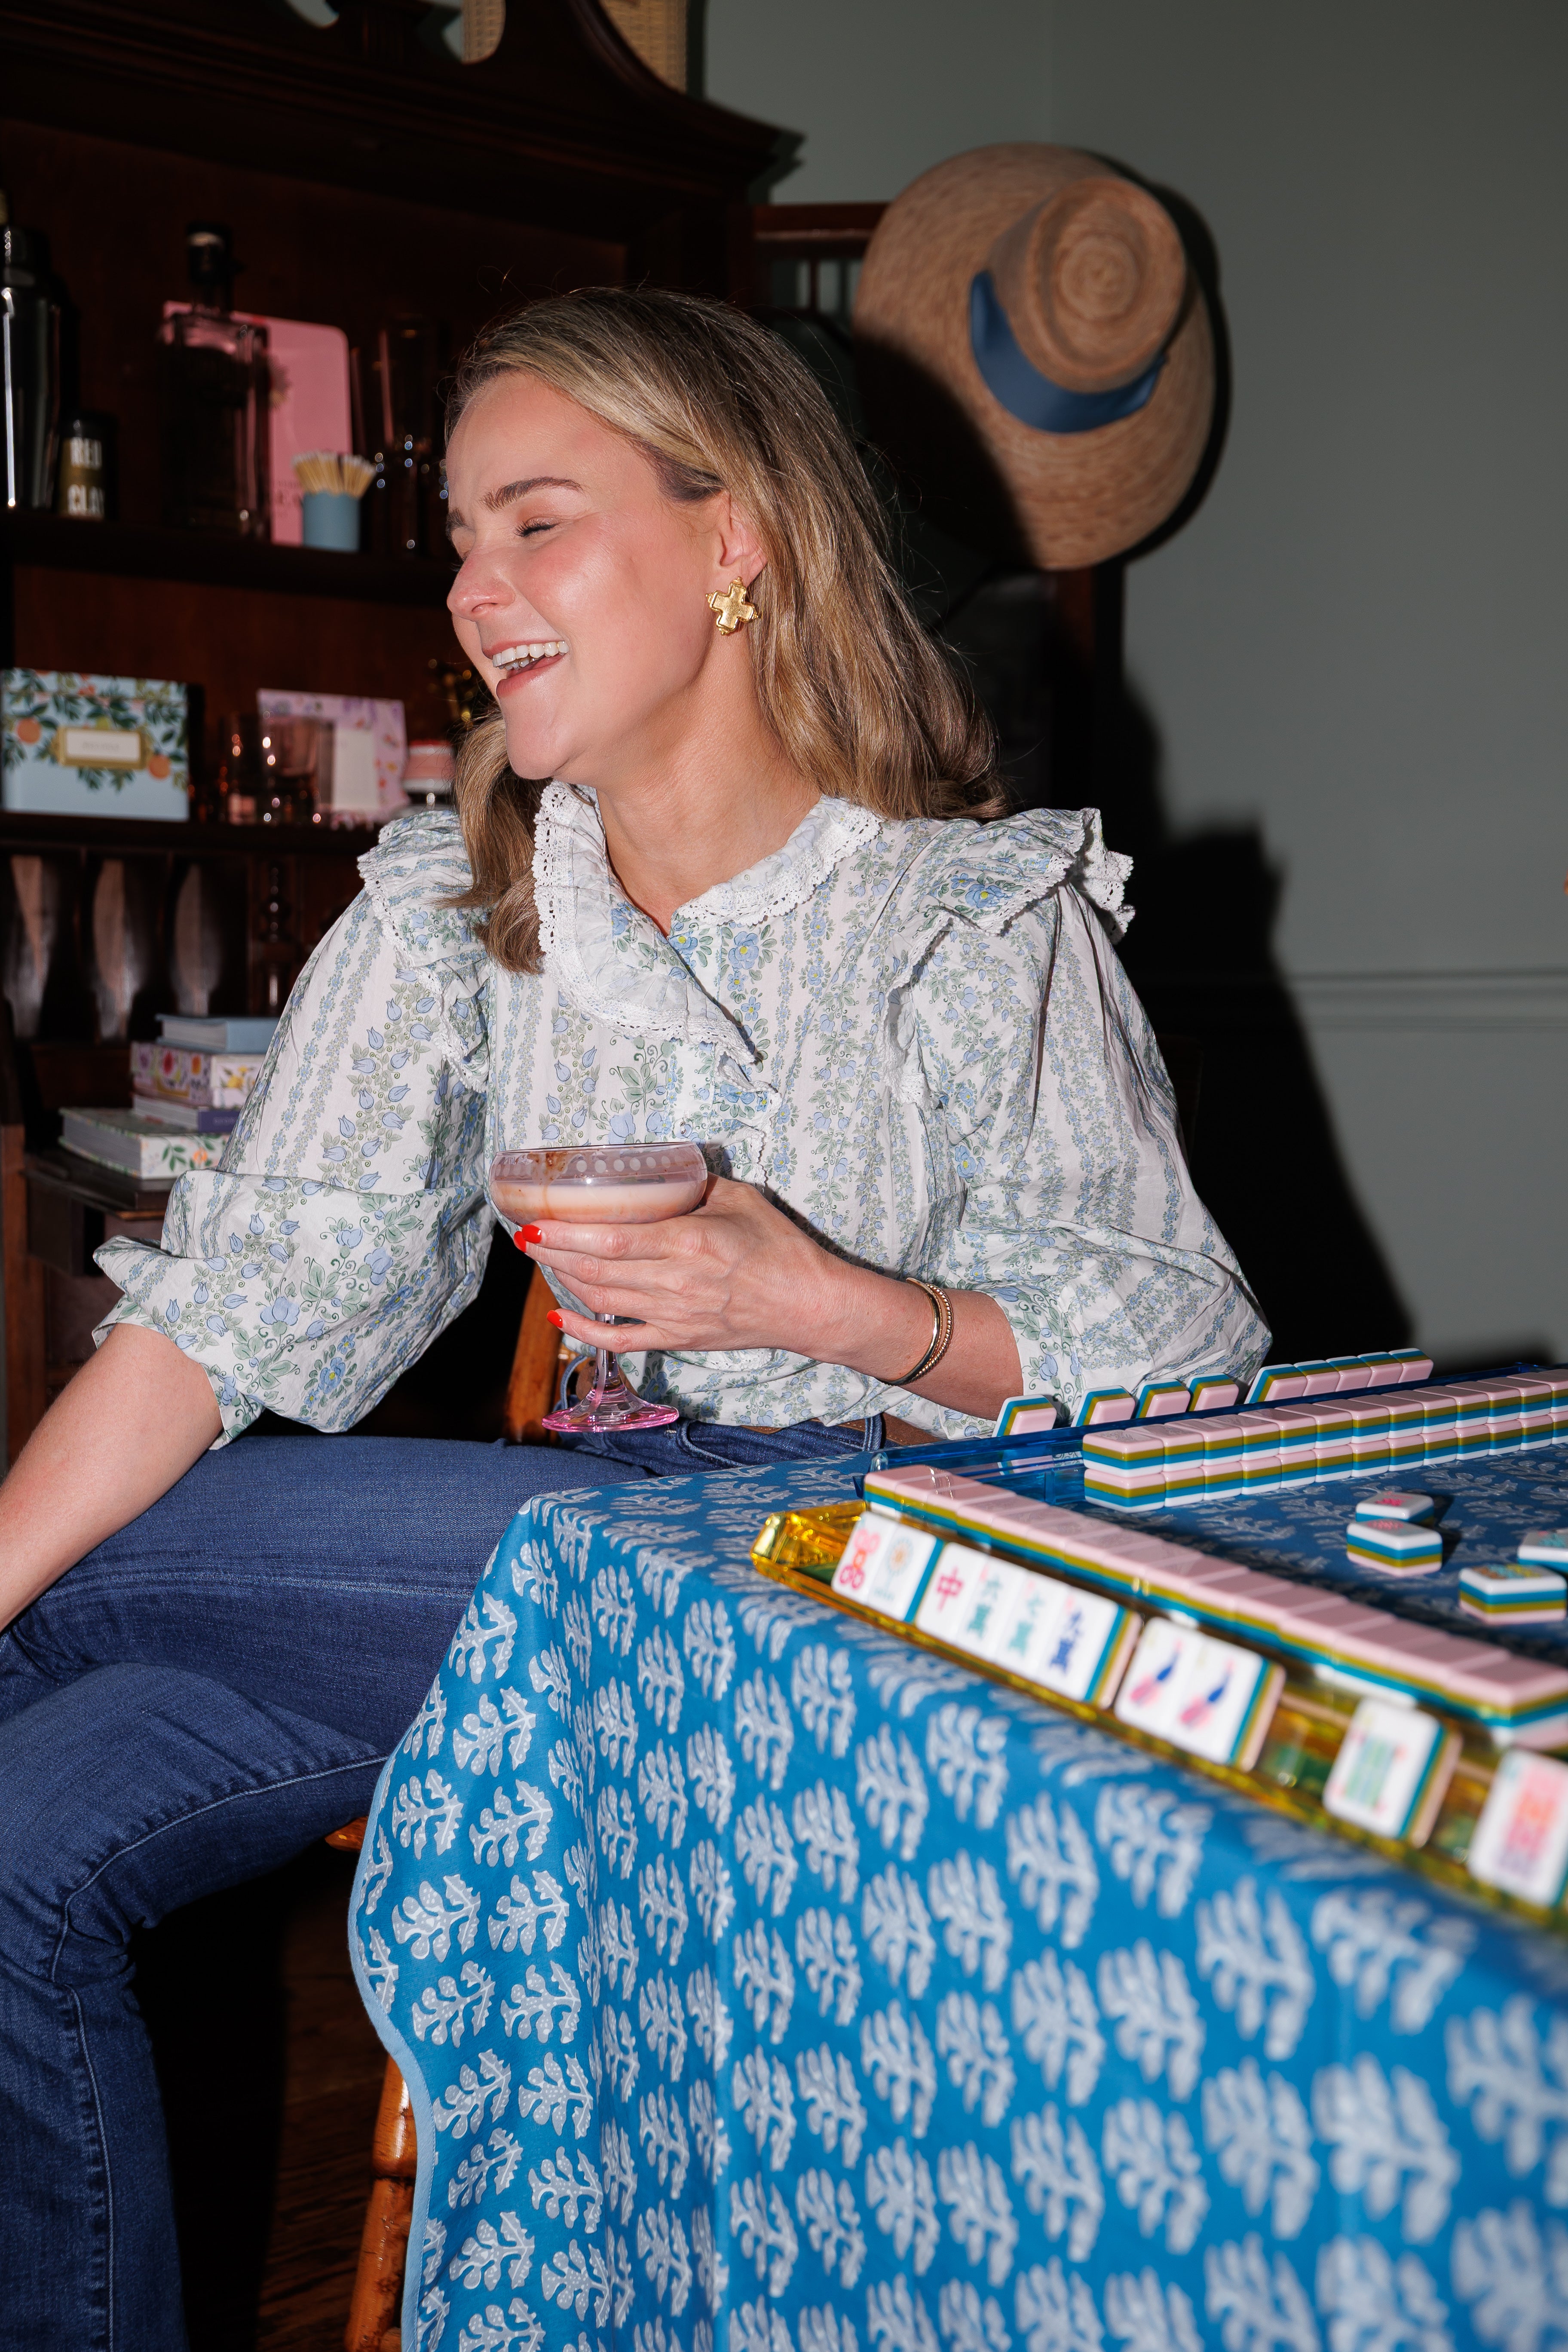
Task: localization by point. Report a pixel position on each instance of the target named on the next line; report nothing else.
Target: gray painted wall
(1356, 648)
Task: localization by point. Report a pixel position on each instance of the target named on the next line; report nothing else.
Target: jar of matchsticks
(330, 489)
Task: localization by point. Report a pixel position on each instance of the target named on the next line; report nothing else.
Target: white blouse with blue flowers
(915, 1036)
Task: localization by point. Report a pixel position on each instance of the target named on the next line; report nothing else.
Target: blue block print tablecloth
(764, 1984)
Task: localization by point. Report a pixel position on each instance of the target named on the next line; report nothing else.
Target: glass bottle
(408, 479)
(215, 388)
(29, 368)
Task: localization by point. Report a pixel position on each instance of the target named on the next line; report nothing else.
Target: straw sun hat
(1034, 348)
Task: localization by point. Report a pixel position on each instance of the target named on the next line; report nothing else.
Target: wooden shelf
(115, 1193)
(21, 830)
(125, 551)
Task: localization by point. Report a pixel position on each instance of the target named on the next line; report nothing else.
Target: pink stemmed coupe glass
(630, 1184)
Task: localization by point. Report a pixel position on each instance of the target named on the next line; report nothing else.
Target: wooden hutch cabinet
(366, 175)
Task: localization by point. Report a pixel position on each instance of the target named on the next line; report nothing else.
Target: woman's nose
(479, 585)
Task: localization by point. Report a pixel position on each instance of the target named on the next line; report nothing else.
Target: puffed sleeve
(1039, 1080)
(346, 1222)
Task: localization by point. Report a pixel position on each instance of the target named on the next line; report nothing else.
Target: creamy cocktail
(637, 1184)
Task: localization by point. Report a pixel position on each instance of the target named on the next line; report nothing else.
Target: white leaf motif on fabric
(519, 1822)
(978, 1927)
(1144, 2316)
(823, 2331)
(1258, 1963)
(1517, 2085)
(765, 1979)
(1051, 1861)
(1157, 2170)
(660, 1680)
(522, 1913)
(467, 1655)
(765, 2102)
(1261, 2136)
(980, 2215)
(1388, 2141)
(453, 2006)
(712, 2025)
(763, 1728)
(661, 1792)
(824, 1949)
(710, 1646)
(1157, 1846)
(1054, 2011)
(765, 1852)
(968, 2325)
(663, 2025)
(1376, 1940)
(536, 2008)
(1055, 2312)
(708, 2136)
(550, 2096)
(902, 2200)
(661, 1906)
(825, 2211)
(1373, 2302)
(712, 2270)
(712, 1890)
(890, 1790)
(711, 1773)
(1157, 2016)
(427, 1921)
(1515, 2282)
(897, 2057)
(1060, 2178)
(897, 2321)
(824, 1826)
(967, 1752)
(822, 1692)
(566, 2185)
(662, 2136)
(896, 1924)
(760, 2218)
(831, 2097)
(1261, 2308)
(971, 2037)
(426, 1806)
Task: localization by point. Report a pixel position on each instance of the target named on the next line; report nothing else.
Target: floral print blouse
(916, 1037)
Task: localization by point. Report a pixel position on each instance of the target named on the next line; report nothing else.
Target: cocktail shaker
(29, 368)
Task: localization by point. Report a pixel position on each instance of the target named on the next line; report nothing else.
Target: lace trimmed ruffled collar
(616, 965)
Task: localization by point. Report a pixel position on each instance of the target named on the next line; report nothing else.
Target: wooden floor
(270, 2074)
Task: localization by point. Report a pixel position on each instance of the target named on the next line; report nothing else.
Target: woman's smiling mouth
(517, 661)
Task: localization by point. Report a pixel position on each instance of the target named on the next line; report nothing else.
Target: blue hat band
(1025, 393)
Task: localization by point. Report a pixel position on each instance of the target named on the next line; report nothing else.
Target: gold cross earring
(731, 609)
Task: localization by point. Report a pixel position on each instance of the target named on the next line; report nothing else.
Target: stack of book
(187, 1090)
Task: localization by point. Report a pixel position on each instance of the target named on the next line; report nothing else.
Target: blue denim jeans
(201, 1697)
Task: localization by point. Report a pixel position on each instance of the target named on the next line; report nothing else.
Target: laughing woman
(769, 902)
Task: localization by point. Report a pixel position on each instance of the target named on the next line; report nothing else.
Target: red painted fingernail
(531, 1233)
(555, 1317)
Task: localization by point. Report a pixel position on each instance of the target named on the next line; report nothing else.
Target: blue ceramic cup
(332, 519)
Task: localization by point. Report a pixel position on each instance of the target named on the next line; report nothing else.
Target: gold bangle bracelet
(941, 1334)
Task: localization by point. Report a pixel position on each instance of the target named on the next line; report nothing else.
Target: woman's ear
(739, 551)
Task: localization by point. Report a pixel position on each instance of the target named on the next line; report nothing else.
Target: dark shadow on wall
(1266, 1156)
(1049, 670)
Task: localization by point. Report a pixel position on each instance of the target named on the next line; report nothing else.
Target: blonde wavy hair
(858, 695)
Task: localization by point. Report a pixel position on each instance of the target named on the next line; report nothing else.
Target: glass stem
(608, 1384)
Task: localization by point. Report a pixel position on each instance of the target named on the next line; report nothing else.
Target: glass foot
(578, 1419)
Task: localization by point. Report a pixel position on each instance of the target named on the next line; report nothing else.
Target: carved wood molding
(563, 125)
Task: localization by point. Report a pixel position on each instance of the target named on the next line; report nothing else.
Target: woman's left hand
(733, 1273)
